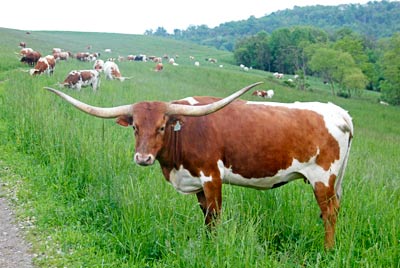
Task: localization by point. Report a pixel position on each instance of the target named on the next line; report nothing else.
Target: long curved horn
(209, 108)
(93, 110)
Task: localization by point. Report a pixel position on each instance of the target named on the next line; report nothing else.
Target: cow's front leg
(210, 200)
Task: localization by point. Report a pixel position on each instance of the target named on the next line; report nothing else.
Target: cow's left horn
(209, 108)
(93, 110)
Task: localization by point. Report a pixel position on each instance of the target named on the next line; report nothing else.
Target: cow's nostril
(148, 160)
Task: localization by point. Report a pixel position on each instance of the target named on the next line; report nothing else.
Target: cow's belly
(263, 183)
(184, 182)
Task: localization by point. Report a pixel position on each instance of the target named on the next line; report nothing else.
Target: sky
(135, 17)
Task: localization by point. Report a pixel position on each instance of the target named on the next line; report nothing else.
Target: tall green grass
(92, 207)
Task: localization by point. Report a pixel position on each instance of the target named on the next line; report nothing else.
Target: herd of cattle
(76, 79)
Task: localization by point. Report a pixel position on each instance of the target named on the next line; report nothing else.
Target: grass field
(86, 204)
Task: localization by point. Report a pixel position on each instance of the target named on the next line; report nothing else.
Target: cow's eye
(162, 128)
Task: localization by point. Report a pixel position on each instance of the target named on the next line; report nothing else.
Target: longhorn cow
(260, 145)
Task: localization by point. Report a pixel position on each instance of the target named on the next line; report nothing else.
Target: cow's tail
(349, 129)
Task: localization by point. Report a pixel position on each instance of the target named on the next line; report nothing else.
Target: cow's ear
(125, 120)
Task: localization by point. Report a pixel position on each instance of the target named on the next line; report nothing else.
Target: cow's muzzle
(144, 159)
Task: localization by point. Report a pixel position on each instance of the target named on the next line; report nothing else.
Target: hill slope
(374, 19)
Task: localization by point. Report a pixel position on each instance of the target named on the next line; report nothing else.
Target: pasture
(84, 203)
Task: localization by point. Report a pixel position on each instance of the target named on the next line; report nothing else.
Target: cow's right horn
(93, 110)
(209, 108)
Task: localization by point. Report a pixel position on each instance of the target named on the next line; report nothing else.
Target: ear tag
(177, 126)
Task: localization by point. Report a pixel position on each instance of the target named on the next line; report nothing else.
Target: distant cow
(157, 59)
(25, 50)
(22, 44)
(93, 56)
(86, 56)
(264, 93)
(83, 78)
(137, 57)
(111, 71)
(159, 67)
(98, 65)
(31, 58)
(204, 142)
(44, 65)
(63, 55)
(82, 56)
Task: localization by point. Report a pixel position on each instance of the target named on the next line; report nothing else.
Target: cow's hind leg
(329, 205)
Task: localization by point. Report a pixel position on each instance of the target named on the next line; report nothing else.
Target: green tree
(254, 51)
(358, 47)
(338, 67)
(161, 31)
(324, 62)
(354, 82)
(391, 71)
(279, 42)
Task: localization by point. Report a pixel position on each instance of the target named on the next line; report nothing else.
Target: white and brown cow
(25, 50)
(159, 67)
(62, 55)
(77, 79)
(45, 65)
(98, 65)
(82, 56)
(56, 50)
(259, 145)
(264, 93)
(111, 71)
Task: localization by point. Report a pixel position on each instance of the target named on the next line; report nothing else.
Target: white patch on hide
(191, 100)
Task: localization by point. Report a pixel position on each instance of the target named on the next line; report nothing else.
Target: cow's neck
(171, 156)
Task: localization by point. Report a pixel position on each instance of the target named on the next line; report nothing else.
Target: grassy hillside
(86, 204)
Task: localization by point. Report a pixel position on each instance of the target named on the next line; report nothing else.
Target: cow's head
(34, 71)
(150, 120)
